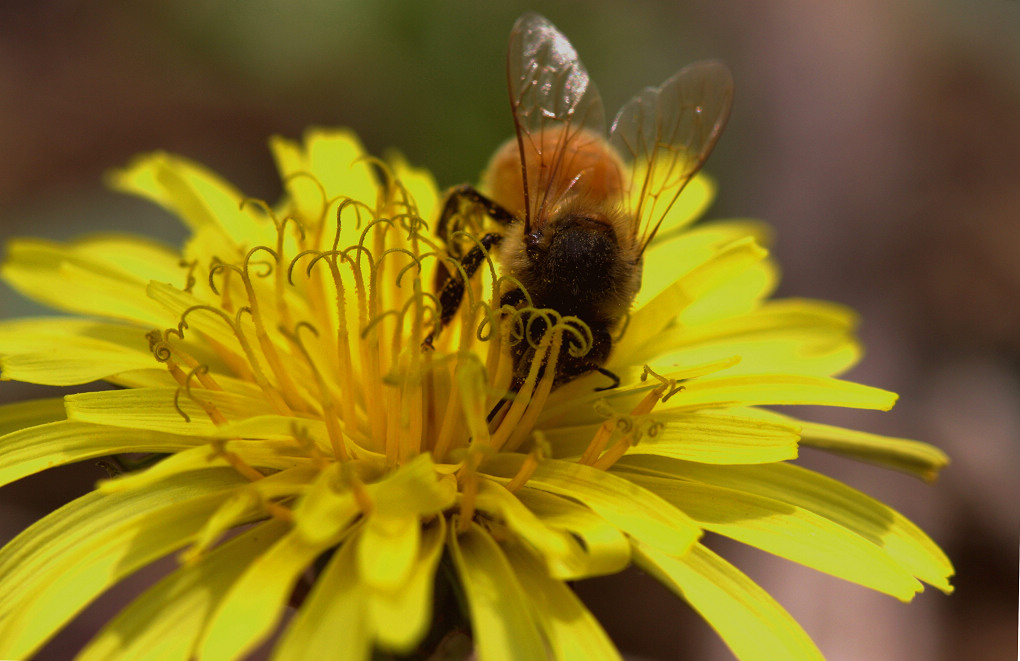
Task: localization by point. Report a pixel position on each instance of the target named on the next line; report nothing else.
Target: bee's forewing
(666, 133)
(549, 89)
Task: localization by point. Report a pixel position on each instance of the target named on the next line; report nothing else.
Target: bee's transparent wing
(556, 108)
(666, 133)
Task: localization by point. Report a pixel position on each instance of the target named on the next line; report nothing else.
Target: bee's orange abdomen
(587, 154)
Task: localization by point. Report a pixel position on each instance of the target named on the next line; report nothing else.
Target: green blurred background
(881, 139)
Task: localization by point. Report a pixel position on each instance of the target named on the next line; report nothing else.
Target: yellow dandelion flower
(310, 453)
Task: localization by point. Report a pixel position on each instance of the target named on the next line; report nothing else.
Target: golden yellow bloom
(312, 451)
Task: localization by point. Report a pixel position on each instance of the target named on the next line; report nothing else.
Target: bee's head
(573, 260)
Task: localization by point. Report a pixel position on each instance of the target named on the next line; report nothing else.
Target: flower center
(326, 330)
(331, 327)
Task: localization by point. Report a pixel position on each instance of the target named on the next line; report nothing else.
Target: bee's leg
(604, 372)
(513, 298)
(570, 367)
(496, 409)
(452, 291)
(508, 397)
(455, 198)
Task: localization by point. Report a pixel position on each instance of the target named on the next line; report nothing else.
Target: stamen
(368, 347)
(358, 208)
(163, 351)
(253, 364)
(451, 429)
(177, 405)
(280, 512)
(618, 449)
(214, 269)
(541, 394)
(287, 388)
(283, 312)
(467, 478)
(329, 413)
(343, 345)
(236, 462)
(601, 439)
(523, 397)
(467, 308)
(210, 409)
(539, 452)
(667, 389)
(581, 332)
(498, 366)
(309, 446)
(411, 390)
(190, 281)
(360, 493)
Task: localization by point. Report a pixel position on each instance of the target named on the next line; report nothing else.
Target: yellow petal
(196, 195)
(737, 296)
(678, 252)
(707, 436)
(914, 457)
(697, 195)
(336, 604)
(35, 449)
(154, 409)
(788, 531)
(562, 554)
(501, 619)
(847, 507)
(387, 550)
(414, 488)
(329, 168)
(20, 415)
(400, 618)
(70, 280)
(57, 566)
(255, 602)
(326, 508)
(337, 158)
(723, 265)
(569, 627)
(176, 302)
(306, 200)
(60, 351)
(787, 389)
(792, 336)
(749, 621)
(636, 511)
(138, 256)
(814, 321)
(271, 454)
(717, 438)
(419, 183)
(604, 548)
(164, 623)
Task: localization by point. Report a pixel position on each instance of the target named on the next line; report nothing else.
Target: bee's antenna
(515, 103)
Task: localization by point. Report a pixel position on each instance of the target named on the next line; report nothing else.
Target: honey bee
(575, 211)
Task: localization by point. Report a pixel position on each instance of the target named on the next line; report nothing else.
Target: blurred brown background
(881, 139)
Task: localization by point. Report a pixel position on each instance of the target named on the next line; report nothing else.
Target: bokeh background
(880, 137)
